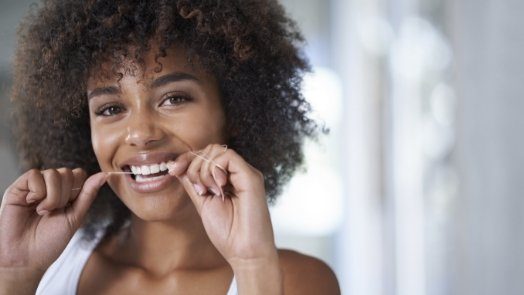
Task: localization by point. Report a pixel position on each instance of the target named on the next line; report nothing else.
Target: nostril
(143, 135)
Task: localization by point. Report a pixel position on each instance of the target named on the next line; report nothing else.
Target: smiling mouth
(146, 173)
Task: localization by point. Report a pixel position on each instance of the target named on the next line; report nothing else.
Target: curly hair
(251, 46)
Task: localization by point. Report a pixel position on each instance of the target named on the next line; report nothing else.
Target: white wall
(486, 244)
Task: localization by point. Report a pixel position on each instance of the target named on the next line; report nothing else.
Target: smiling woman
(149, 118)
(155, 133)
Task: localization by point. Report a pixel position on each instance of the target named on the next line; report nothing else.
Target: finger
(36, 185)
(53, 192)
(193, 171)
(88, 193)
(79, 176)
(29, 188)
(219, 175)
(240, 173)
(66, 177)
(180, 164)
(206, 171)
(218, 172)
(198, 200)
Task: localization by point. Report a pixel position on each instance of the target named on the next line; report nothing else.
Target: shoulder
(305, 274)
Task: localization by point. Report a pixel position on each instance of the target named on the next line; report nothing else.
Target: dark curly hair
(250, 46)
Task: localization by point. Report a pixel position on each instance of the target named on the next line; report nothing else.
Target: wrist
(259, 276)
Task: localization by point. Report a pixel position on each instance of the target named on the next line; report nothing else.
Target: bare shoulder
(305, 274)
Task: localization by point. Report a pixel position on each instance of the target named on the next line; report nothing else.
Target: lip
(148, 159)
(151, 186)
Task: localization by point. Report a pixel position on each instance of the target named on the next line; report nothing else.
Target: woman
(159, 129)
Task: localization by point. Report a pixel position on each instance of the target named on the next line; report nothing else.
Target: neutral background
(419, 188)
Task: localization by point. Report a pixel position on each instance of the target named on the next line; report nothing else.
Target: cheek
(202, 129)
(104, 144)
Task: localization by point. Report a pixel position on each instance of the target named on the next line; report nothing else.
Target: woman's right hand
(39, 214)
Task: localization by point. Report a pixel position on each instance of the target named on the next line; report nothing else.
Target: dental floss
(210, 161)
(213, 170)
(190, 149)
(112, 172)
(195, 154)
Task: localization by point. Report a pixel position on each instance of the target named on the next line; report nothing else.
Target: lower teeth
(140, 178)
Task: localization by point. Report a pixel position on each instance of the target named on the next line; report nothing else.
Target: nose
(143, 131)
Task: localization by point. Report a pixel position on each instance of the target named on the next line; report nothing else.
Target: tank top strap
(233, 287)
(63, 275)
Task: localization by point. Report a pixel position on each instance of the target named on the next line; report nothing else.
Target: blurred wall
(11, 12)
(486, 244)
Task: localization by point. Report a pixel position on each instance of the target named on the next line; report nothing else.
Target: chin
(160, 207)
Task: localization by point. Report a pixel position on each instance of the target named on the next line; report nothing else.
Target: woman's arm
(39, 214)
(230, 197)
(263, 276)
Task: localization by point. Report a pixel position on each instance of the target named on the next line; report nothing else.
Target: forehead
(151, 66)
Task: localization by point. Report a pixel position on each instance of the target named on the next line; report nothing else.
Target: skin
(190, 237)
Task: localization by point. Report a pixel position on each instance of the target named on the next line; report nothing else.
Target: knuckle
(207, 179)
(66, 173)
(80, 172)
(51, 173)
(34, 176)
(192, 174)
(231, 153)
(52, 201)
(33, 172)
(258, 174)
(208, 148)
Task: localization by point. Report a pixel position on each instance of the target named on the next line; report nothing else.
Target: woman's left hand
(238, 224)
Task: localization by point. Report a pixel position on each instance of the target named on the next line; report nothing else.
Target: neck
(161, 247)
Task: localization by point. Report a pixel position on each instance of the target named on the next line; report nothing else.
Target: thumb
(88, 193)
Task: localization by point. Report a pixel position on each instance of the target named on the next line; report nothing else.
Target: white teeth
(154, 168)
(149, 169)
(140, 178)
(134, 170)
(145, 170)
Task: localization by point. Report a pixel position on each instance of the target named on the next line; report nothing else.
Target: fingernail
(171, 165)
(42, 212)
(30, 201)
(219, 175)
(215, 191)
(199, 189)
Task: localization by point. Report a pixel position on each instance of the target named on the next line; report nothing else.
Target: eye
(109, 110)
(174, 100)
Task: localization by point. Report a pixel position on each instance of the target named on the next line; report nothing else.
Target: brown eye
(174, 100)
(107, 111)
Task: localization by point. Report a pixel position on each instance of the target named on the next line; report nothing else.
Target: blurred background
(418, 189)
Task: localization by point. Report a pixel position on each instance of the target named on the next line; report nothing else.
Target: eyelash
(101, 111)
(179, 97)
(111, 108)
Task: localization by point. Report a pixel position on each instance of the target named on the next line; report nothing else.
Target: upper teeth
(149, 169)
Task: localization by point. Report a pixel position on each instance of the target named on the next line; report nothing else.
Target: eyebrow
(158, 82)
(103, 90)
(173, 77)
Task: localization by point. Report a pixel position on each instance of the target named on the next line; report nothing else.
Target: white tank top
(63, 275)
